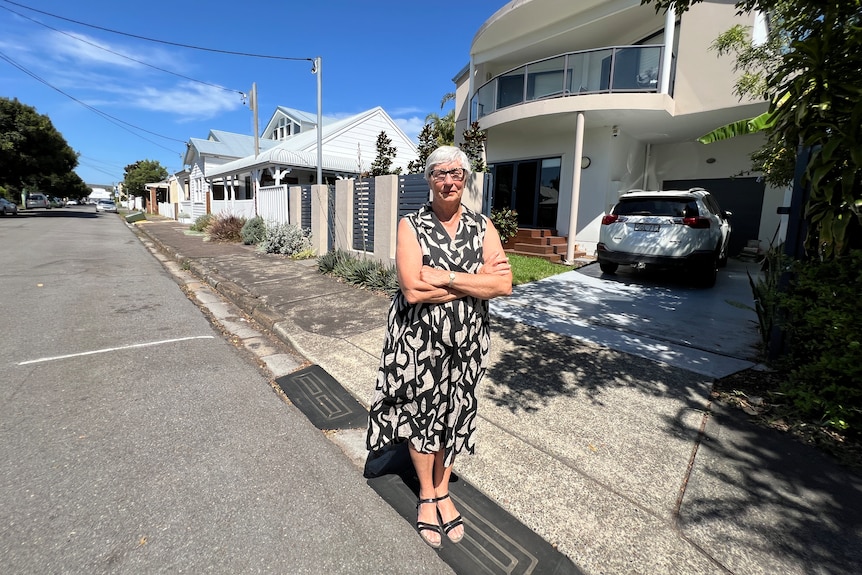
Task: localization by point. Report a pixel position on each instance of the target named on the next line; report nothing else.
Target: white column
(667, 57)
(576, 190)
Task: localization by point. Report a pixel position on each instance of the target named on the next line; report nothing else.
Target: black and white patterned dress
(434, 354)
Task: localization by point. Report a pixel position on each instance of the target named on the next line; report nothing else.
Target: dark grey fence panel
(363, 215)
(330, 224)
(413, 193)
(305, 208)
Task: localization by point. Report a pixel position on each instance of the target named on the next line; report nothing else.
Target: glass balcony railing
(601, 71)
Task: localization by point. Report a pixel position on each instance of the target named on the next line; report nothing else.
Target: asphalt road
(136, 439)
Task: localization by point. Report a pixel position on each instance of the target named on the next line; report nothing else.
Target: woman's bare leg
(441, 488)
(427, 513)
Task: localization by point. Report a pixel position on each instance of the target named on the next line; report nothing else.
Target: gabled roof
(301, 150)
(225, 145)
(305, 119)
(282, 157)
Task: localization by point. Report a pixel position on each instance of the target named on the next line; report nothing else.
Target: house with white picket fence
(225, 174)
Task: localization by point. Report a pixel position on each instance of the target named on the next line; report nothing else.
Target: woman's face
(447, 188)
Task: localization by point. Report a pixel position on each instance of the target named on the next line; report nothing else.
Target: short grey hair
(446, 155)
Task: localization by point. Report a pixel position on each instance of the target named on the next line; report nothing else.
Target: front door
(531, 188)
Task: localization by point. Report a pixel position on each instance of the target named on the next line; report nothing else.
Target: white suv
(667, 229)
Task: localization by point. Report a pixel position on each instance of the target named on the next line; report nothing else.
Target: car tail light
(698, 223)
(609, 219)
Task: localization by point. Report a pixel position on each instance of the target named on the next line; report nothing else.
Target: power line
(121, 55)
(167, 42)
(105, 115)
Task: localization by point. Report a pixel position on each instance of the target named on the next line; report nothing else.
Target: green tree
(474, 146)
(815, 92)
(33, 154)
(427, 144)
(443, 127)
(382, 164)
(140, 173)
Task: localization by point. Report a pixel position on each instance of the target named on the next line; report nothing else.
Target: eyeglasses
(440, 175)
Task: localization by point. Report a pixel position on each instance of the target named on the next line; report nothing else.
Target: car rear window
(674, 207)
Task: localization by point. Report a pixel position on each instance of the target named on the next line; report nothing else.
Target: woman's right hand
(498, 264)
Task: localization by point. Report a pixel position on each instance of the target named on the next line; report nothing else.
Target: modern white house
(224, 172)
(583, 101)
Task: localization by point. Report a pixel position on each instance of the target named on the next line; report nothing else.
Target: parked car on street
(666, 229)
(37, 201)
(106, 206)
(8, 207)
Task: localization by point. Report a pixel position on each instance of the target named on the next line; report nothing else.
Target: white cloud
(86, 50)
(411, 126)
(189, 100)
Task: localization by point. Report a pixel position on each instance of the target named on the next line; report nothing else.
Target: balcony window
(510, 88)
(484, 100)
(589, 72)
(636, 68)
(545, 78)
(606, 70)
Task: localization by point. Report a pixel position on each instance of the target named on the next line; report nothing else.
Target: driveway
(712, 331)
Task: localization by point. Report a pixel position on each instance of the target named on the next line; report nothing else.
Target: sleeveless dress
(434, 355)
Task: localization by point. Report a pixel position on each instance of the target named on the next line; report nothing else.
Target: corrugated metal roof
(229, 144)
(281, 156)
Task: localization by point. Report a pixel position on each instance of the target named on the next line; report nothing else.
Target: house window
(510, 88)
(545, 78)
(530, 187)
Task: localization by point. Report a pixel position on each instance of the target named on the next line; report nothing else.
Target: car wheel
(608, 267)
(706, 274)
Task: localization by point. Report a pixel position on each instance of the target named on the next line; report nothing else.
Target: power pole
(254, 115)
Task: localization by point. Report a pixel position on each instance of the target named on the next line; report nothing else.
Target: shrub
(824, 341)
(202, 223)
(253, 231)
(506, 222)
(285, 239)
(226, 228)
(359, 271)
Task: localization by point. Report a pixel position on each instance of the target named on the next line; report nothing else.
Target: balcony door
(531, 188)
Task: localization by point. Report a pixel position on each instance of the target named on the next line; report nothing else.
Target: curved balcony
(608, 70)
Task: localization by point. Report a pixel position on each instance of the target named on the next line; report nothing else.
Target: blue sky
(398, 54)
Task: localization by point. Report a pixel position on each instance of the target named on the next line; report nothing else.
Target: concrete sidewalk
(624, 464)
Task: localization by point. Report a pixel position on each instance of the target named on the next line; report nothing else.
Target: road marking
(106, 350)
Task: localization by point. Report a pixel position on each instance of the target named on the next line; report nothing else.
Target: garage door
(742, 196)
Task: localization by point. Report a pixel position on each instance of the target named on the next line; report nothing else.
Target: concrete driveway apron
(712, 332)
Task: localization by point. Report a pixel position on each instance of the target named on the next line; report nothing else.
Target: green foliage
(359, 271)
(766, 291)
(437, 131)
(202, 223)
(33, 154)
(427, 144)
(474, 146)
(253, 231)
(809, 67)
(285, 239)
(824, 341)
(506, 222)
(382, 164)
(226, 228)
(140, 173)
(526, 269)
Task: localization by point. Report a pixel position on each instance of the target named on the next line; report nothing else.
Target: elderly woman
(450, 262)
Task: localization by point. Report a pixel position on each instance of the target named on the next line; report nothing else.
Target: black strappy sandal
(447, 527)
(421, 526)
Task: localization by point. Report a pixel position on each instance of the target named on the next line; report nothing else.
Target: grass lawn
(526, 269)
